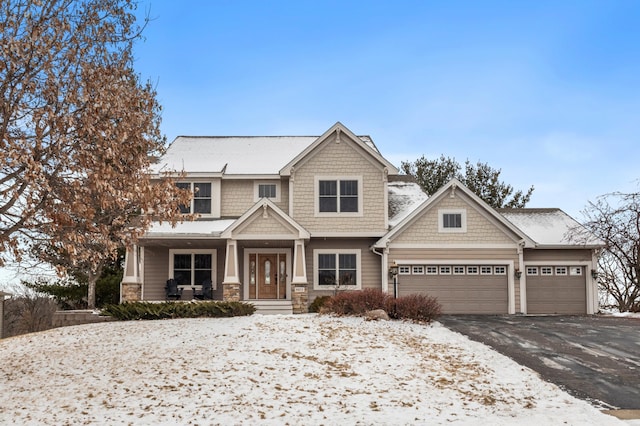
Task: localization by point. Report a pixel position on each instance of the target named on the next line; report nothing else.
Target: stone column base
(231, 292)
(131, 292)
(300, 298)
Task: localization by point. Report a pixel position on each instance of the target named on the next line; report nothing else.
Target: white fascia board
(346, 234)
(252, 177)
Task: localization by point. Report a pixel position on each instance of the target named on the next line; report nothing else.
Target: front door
(269, 273)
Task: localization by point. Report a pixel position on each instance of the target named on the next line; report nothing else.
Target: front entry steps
(272, 307)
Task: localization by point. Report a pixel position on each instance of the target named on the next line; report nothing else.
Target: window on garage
(458, 270)
(546, 270)
(445, 270)
(532, 270)
(432, 270)
(404, 270)
(486, 270)
(418, 270)
(472, 270)
(575, 270)
(561, 270)
(500, 270)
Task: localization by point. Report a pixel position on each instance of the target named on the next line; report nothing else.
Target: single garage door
(461, 289)
(556, 290)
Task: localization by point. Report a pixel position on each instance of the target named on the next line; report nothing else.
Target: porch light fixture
(393, 270)
(518, 273)
(594, 274)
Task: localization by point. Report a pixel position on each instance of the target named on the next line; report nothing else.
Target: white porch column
(299, 263)
(385, 270)
(299, 284)
(131, 285)
(231, 282)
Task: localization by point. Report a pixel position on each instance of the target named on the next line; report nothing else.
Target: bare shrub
(357, 302)
(416, 307)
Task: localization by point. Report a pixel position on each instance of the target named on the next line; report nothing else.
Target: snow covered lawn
(272, 370)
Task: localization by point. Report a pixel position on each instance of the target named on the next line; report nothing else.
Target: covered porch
(259, 258)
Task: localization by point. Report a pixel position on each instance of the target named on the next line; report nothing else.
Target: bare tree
(77, 133)
(615, 218)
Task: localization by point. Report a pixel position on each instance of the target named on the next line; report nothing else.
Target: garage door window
(532, 270)
(500, 270)
(445, 270)
(458, 270)
(485, 270)
(404, 270)
(546, 270)
(418, 270)
(432, 270)
(472, 270)
(576, 270)
(561, 270)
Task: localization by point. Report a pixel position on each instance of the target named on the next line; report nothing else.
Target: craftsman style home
(282, 220)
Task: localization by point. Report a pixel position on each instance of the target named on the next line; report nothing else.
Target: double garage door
(556, 290)
(461, 289)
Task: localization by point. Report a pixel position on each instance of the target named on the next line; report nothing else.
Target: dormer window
(452, 220)
(201, 200)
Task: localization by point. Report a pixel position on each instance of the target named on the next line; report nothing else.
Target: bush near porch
(414, 307)
(168, 310)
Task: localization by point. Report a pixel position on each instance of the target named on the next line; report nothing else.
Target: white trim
(451, 246)
(250, 177)
(214, 261)
(256, 190)
(248, 251)
(357, 252)
(463, 221)
(216, 198)
(316, 196)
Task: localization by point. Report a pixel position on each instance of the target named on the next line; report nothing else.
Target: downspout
(384, 268)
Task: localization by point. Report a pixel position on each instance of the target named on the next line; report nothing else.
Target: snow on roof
(404, 197)
(235, 154)
(551, 227)
(197, 227)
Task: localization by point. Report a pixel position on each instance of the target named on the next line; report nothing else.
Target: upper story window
(452, 220)
(269, 189)
(339, 195)
(201, 200)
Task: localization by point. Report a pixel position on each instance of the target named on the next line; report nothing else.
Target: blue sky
(547, 91)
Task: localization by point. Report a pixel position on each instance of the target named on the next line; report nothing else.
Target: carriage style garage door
(556, 290)
(461, 289)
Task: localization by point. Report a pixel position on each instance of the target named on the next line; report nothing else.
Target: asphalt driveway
(591, 357)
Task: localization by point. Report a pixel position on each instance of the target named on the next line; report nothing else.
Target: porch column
(131, 285)
(231, 282)
(385, 270)
(300, 290)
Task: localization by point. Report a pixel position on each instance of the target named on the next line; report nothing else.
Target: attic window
(268, 189)
(452, 220)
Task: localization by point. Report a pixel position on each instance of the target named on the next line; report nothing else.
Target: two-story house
(285, 219)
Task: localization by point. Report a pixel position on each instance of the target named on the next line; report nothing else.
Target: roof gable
(265, 220)
(342, 133)
(433, 201)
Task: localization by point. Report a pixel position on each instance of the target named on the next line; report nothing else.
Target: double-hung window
(336, 268)
(201, 200)
(339, 195)
(192, 267)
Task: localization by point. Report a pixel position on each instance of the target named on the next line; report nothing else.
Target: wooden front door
(270, 276)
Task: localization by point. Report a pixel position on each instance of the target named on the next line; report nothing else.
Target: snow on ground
(302, 369)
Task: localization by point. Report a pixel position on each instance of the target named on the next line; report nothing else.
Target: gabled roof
(366, 144)
(404, 198)
(551, 227)
(452, 185)
(268, 206)
(241, 155)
